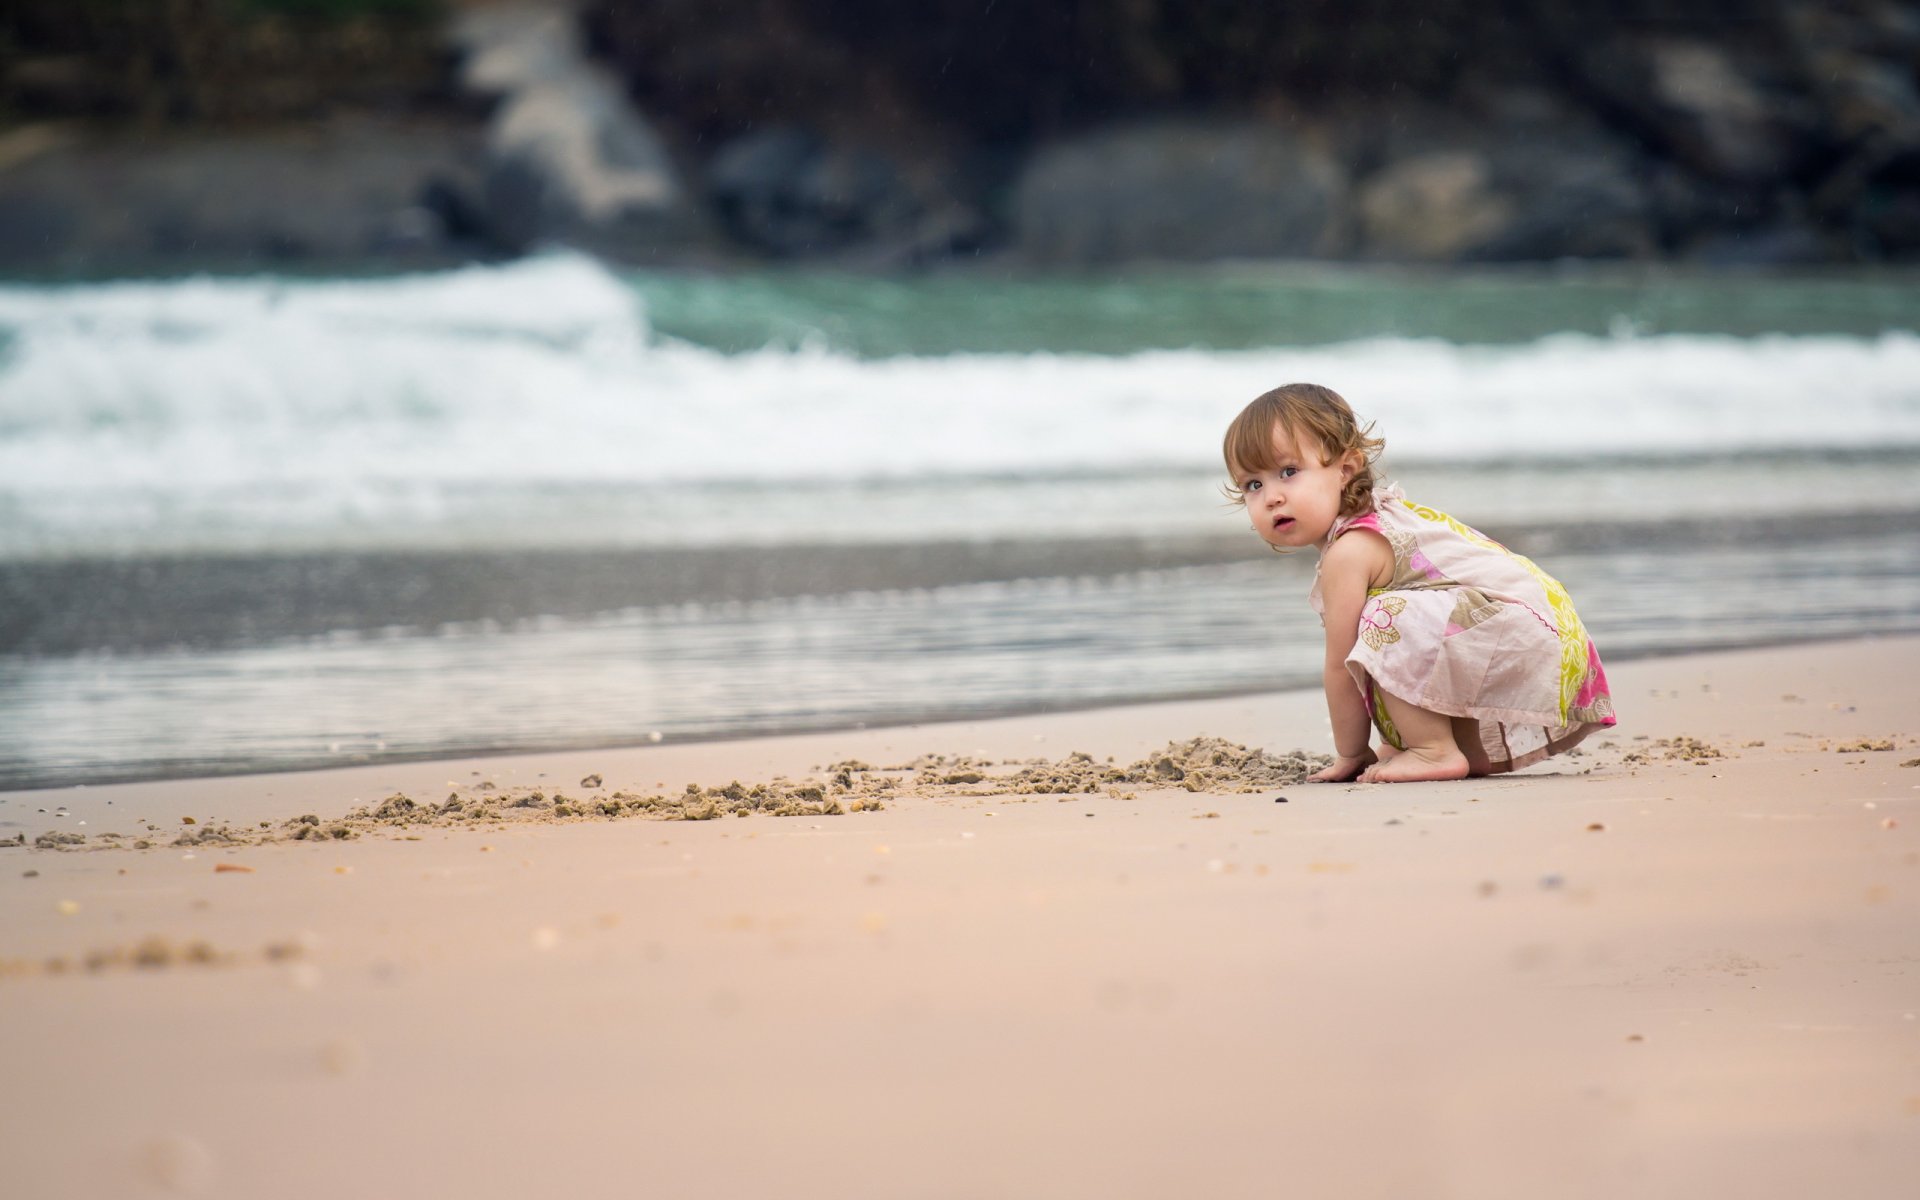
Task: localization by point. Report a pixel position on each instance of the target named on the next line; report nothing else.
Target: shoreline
(643, 743)
(193, 601)
(1678, 963)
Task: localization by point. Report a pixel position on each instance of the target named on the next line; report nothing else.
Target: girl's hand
(1345, 768)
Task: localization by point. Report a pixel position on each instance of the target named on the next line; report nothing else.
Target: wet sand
(1682, 963)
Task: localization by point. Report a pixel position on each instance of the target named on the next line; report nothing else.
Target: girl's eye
(1251, 485)
(1289, 472)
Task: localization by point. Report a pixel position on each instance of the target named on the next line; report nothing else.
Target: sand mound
(1195, 765)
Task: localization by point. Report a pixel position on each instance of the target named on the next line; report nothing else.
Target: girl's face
(1295, 502)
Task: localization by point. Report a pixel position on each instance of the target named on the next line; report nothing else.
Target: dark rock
(1858, 62)
(755, 169)
(1727, 118)
(1861, 97)
(948, 232)
(516, 210)
(787, 191)
(1887, 222)
(1570, 203)
(1688, 208)
(856, 190)
(1179, 190)
(456, 207)
(1784, 243)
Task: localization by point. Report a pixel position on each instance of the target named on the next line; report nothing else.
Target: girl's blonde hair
(1309, 409)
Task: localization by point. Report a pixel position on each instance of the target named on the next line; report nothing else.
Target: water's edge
(151, 773)
(132, 604)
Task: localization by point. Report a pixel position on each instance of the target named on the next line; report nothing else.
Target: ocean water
(265, 522)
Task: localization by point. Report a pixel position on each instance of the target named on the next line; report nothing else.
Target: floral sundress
(1468, 628)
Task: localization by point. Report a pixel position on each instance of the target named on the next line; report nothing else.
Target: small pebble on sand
(177, 1163)
(342, 1056)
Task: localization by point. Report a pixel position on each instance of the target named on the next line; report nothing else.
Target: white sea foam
(128, 406)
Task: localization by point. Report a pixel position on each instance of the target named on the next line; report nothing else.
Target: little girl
(1468, 658)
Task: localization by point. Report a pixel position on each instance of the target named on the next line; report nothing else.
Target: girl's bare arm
(1355, 562)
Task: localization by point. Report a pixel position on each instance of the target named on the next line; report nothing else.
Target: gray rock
(348, 191)
(1571, 202)
(567, 156)
(1508, 199)
(1178, 190)
(786, 191)
(1436, 207)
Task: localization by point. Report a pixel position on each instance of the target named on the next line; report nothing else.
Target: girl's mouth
(1282, 522)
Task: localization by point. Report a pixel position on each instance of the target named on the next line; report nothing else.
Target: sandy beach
(1681, 963)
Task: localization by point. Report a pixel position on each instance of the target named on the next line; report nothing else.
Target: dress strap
(1369, 517)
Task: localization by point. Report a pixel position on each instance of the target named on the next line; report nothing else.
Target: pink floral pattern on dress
(1376, 620)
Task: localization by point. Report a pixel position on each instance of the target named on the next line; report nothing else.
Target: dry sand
(1684, 963)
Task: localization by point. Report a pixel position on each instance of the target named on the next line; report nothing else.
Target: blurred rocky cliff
(156, 134)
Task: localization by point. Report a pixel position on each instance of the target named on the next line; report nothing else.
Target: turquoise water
(1249, 308)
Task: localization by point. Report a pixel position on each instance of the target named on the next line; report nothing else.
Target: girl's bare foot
(1343, 770)
(1418, 765)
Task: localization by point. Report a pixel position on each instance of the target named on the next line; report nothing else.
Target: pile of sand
(1198, 764)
